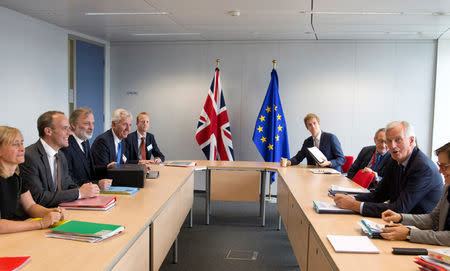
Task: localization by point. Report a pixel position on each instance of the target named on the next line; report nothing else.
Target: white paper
(352, 244)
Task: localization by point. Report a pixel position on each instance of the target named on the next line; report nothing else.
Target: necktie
(142, 147)
(119, 151)
(85, 145)
(58, 172)
(316, 142)
(377, 160)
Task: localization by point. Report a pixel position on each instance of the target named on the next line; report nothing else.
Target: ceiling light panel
(208, 5)
(383, 5)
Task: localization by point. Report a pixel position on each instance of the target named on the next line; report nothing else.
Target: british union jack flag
(213, 129)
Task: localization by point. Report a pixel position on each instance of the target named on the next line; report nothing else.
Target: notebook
(348, 190)
(324, 171)
(96, 203)
(181, 164)
(87, 229)
(329, 208)
(352, 244)
(317, 155)
(13, 263)
(372, 229)
(120, 190)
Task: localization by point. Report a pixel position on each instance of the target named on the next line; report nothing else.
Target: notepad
(329, 208)
(181, 164)
(317, 155)
(348, 190)
(324, 171)
(372, 229)
(352, 244)
(100, 203)
(120, 190)
(13, 263)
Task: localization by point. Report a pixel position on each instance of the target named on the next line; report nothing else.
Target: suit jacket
(81, 168)
(417, 190)
(431, 226)
(104, 151)
(151, 148)
(363, 159)
(35, 171)
(329, 146)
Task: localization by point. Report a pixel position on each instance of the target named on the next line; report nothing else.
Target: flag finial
(217, 61)
(274, 63)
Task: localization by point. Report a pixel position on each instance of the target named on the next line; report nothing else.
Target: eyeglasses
(442, 166)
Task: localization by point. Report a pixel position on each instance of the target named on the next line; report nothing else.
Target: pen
(331, 193)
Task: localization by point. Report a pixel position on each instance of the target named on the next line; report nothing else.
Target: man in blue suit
(372, 158)
(327, 143)
(411, 182)
(142, 145)
(78, 153)
(110, 147)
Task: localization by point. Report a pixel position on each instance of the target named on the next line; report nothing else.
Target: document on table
(329, 208)
(348, 190)
(324, 171)
(352, 244)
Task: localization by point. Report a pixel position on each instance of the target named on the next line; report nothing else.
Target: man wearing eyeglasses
(411, 183)
(45, 169)
(372, 158)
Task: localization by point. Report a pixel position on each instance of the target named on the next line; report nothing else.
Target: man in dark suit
(45, 169)
(411, 182)
(327, 143)
(142, 145)
(78, 153)
(372, 158)
(110, 147)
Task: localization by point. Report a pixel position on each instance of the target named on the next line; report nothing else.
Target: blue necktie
(377, 160)
(119, 152)
(85, 148)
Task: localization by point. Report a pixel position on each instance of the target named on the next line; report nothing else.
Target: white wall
(354, 86)
(441, 127)
(34, 70)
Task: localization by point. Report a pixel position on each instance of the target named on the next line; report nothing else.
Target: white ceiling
(259, 19)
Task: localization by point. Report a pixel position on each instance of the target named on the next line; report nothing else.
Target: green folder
(88, 229)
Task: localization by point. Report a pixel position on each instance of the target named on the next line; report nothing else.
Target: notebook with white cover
(348, 190)
(324, 171)
(317, 155)
(352, 244)
(329, 208)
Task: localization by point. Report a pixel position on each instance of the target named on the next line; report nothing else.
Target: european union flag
(270, 135)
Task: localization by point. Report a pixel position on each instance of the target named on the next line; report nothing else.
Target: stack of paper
(348, 190)
(102, 203)
(13, 263)
(120, 190)
(440, 254)
(432, 264)
(352, 244)
(329, 208)
(181, 164)
(324, 171)
(85, 231)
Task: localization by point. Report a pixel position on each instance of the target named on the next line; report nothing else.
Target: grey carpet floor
(235, 231)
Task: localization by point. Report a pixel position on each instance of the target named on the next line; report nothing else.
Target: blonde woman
(16, 203)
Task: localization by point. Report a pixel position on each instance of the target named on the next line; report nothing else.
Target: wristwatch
(408, 237)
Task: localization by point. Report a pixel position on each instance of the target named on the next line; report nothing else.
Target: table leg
(208, 198)
(191, 218)
(262, 199)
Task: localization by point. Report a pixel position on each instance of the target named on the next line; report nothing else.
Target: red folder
(95, 202)
(13, 263)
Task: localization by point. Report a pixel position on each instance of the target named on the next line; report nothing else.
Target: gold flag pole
(270, 184)
(217, 61)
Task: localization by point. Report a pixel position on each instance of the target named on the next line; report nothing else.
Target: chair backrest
(348, 163)
(363, 178)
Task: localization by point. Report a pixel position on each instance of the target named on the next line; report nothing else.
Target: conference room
(358, 66)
